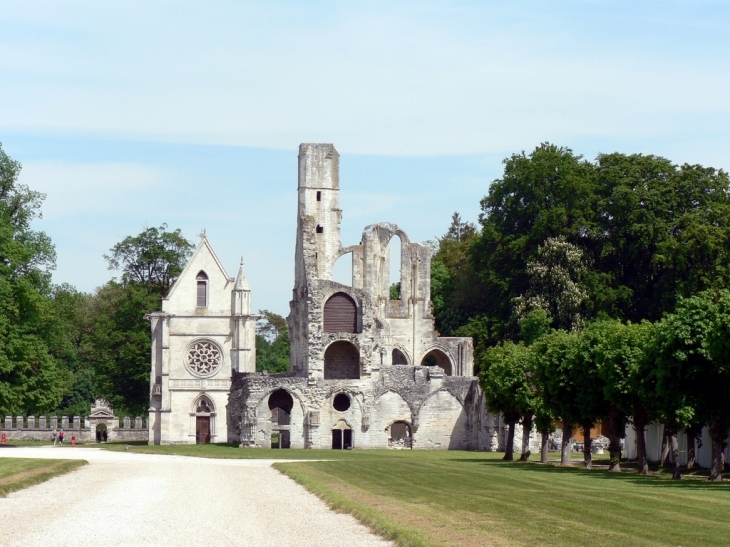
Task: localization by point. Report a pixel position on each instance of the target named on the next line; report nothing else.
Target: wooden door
(202, 430)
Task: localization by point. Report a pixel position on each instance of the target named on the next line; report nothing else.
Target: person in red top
(60, 436)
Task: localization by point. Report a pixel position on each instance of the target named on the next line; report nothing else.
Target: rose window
(204, 358)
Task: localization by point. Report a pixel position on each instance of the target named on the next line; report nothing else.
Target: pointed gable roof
(203, 247)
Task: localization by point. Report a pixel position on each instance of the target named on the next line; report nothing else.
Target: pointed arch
(438, 357)
(201, 281)
(340, 314)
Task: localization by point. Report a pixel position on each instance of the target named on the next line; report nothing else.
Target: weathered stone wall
(20, 429)
(439, 410)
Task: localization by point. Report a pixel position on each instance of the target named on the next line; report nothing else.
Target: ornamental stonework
(204, 358)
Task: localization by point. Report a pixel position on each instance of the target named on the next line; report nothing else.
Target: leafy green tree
(693, 376)
(118, 345)
(549, 193)
(505, 379)
(620, 352)
(555, 284)
(152, 259)
(663, 232)
(272, 343)
(32, 379)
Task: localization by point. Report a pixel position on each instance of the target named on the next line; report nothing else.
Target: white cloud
(411, 78)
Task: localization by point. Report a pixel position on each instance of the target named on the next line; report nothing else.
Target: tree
(548, 194)
(663, 232)
(555, 276)
(153, 259)
(272, 343)
(32, 379)
(118, 344)
(505, 379)
(693, 372)
(628, 382)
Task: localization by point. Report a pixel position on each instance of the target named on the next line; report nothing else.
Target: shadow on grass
(694, 482)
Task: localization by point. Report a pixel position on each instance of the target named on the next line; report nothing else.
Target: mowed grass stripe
(19, 473)
(526, 503)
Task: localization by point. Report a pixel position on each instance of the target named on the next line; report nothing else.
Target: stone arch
(388, 407)
(342, 361)
(342, 269)
(400, 357)
(395, 267)
(340, 314)
(438, 357)
(442, 423)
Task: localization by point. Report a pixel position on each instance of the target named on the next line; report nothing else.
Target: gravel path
(125, 499)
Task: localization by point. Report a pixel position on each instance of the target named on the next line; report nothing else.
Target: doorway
(342, 436)
(202, 430)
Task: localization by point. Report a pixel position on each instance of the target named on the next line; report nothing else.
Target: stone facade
(204, 333)
(367, 370)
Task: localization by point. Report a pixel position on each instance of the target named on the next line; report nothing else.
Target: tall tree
(505, 379)
(272, 343)
(693, 372)
(152, 259)
(32, 379)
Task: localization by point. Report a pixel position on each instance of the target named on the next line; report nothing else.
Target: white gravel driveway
(126, 499)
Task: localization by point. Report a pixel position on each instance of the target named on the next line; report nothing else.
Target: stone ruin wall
(443, 412)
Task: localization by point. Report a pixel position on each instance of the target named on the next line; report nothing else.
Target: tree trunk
(718, 434)
(616, 422)
(565, 445)
(674, 446)
(640, 427)
(544, 447)
(665, 447)
(587, 455)
(509, 450)
(526, 430)
(691, 452)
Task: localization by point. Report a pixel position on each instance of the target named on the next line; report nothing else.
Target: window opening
(202, 282)
(342, 270)
(394, 267)
(400, 435)
(399, 358)
(319, 196)
(341, 402)
(320, 229)
(437, 358)
(341, 361)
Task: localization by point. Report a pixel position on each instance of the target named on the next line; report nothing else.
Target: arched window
(340, 314)
(202, 281)
(399, 358)
(437, 358)
(341, 361)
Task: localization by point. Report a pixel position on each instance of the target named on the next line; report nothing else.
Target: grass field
(19, 473)
(424, 498)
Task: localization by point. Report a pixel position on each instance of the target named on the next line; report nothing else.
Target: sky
(134, 114)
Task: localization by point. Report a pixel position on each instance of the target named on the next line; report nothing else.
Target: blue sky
(133, 114)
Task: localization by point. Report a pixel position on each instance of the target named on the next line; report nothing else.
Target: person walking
(54, 437)
(60, 436)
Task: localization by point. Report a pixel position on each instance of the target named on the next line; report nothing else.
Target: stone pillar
(64, 422)
(138, 422)
(127, 422)
(8, 422)
(31, 422)
(54, 422)
(43, 422)
(77, 422)
(19, 422)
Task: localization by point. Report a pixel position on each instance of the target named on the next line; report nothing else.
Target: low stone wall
(41, 429)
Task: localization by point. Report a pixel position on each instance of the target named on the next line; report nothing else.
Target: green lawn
(19, 473)
(476, 499)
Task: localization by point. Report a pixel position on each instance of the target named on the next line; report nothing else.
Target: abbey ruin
(367, 368)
